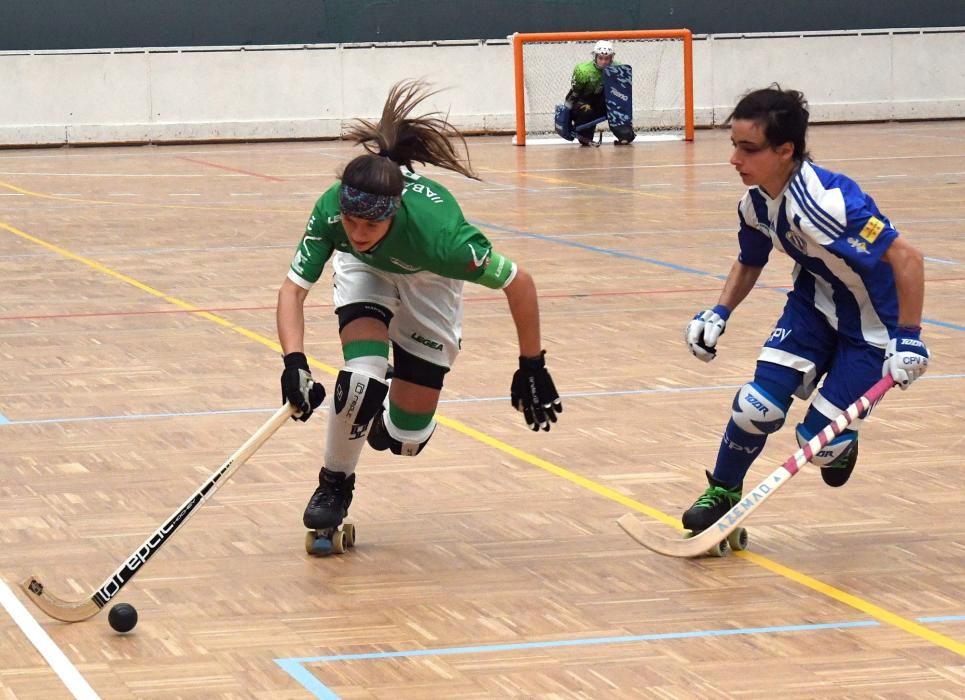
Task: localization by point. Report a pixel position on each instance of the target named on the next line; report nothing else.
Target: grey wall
(33, 25)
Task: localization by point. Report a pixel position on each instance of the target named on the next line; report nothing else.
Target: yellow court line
(798, 577)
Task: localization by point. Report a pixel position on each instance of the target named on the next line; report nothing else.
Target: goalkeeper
(585, 98)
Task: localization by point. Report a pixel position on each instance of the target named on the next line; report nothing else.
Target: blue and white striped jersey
(836, 236)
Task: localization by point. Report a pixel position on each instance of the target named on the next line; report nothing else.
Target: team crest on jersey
(859, 246)
(871, 230)
(798, 241)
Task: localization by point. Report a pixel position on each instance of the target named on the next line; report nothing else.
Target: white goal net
(661, 79)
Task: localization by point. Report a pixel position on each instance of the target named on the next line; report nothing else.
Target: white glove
(906, 357)
(704, 330)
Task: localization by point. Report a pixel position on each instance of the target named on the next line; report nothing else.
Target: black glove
(534, 394)
(298, 387)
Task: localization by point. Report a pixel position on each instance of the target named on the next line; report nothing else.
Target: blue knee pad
(757, 412)
(814, 422)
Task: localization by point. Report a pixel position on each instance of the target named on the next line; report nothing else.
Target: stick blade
(683, 548)
(57, 608)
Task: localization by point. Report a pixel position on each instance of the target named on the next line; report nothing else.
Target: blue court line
(660, 263)
(599, 249)
(295, 666)
(477, 399)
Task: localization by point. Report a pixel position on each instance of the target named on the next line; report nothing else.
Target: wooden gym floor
(137, 351)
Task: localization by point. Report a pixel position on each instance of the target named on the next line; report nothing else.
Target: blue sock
(738, 450)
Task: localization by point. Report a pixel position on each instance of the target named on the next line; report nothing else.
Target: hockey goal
(662, 61)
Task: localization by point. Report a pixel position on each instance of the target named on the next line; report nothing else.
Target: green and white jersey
(428, 233)
(587, 79)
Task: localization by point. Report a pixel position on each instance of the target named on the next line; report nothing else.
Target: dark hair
(783, 114)
(398, 139)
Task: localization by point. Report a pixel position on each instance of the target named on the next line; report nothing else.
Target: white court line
(61, 665)
(555, 140)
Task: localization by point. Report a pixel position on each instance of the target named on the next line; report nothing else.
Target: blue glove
(906, 357)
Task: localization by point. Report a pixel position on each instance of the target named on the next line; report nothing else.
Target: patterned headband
(365, 205)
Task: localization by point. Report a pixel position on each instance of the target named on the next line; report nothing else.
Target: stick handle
(140, 556)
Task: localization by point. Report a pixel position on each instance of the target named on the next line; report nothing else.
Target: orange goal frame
(682, 34)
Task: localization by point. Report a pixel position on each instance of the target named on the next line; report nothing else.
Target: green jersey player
(401, 251)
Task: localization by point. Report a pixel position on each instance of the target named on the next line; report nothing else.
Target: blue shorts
(805, 343)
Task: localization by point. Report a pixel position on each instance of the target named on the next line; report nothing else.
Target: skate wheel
(338, 542)
(718, 550)
(349, 531)
(318, 542)
(738, 539)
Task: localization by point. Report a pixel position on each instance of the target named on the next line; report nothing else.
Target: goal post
(662, 61)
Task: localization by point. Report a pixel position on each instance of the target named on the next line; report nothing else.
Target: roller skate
(325, 512)
(839, 471)
(708, 509)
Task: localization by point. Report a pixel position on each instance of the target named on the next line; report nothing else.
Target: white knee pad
(830, 452)
(756, 413)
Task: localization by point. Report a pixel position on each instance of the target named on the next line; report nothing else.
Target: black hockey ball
(122, 617)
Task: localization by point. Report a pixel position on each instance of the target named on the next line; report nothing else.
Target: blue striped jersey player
(852, 316)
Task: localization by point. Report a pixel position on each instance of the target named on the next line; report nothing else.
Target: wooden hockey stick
(707, 539)
(77, 610)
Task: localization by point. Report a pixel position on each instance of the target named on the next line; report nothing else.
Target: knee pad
(357, 399)
(836, 449)
(364, 309)
(408, 443)
(755, 412)
(414, 369)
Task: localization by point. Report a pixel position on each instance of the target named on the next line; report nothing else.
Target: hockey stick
(77, 610)
(716, 533)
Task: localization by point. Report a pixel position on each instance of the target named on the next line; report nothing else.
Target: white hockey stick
(77, 610)
(707, 539)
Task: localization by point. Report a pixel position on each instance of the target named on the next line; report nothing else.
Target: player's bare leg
(407, 421)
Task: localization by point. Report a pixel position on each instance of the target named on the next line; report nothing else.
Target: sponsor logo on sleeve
(871, 229)
(478, 261)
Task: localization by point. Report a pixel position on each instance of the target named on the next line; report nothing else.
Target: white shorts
(426, 308)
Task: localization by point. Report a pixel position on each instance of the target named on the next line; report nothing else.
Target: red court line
(559, 295)
(233, 170)
(569, 295)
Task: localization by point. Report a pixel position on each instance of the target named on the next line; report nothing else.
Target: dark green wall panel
(83, 24)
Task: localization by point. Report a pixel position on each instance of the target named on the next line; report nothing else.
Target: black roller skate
(839, 471)
(716, 500)
(325, 512)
